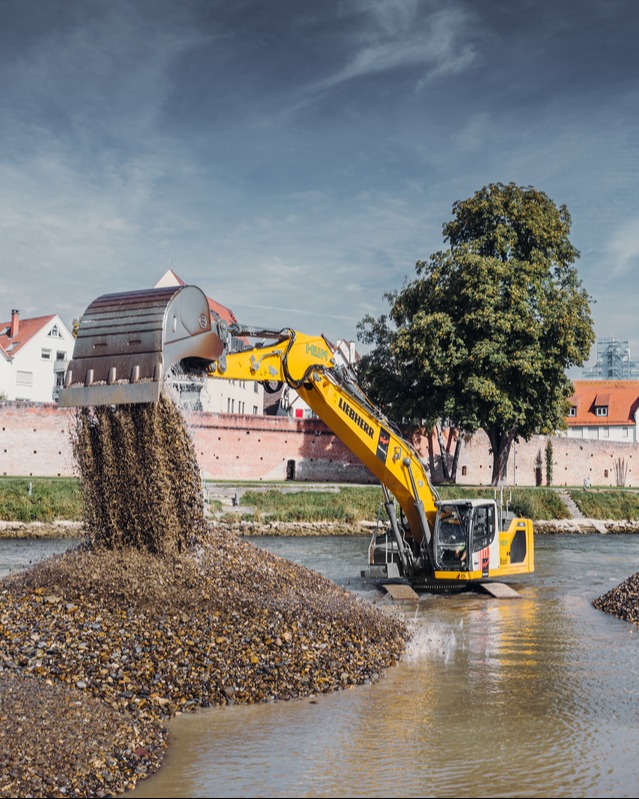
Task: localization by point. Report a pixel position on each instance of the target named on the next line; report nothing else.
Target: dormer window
(601, 403)
(572, 411)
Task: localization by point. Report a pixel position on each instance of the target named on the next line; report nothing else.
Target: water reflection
(528, 697)
(18, 553)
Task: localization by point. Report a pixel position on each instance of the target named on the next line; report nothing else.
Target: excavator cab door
(452, 535)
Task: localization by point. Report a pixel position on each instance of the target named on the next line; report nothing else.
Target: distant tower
(613, 362)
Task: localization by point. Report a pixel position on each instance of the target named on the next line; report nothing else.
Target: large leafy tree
(484, 334)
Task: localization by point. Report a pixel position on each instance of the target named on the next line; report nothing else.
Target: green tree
(549, 464)
(484, 334)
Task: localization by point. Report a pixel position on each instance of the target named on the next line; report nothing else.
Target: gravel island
(98, 648)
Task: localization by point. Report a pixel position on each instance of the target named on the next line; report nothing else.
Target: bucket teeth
(126, 343)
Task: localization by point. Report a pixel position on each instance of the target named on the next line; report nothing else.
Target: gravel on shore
(622, 600)
(98, 648)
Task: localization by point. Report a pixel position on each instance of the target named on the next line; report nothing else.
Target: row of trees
(485, 332)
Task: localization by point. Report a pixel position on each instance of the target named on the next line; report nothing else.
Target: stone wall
(34, 441)
(573, 462)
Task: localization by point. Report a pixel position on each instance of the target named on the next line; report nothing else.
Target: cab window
(483, 527)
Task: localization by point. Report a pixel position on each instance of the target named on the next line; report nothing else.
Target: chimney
(15, 323)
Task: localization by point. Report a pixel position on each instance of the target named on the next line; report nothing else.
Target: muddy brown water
(531, 697)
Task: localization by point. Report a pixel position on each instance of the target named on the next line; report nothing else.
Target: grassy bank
(607, 504)
(47, 499)
(40, 499)
(362, 503)
(348, 504)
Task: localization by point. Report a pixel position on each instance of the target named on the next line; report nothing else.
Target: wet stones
(137, 637)
(622, 601)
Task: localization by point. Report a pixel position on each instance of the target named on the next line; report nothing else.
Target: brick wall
(34, 441)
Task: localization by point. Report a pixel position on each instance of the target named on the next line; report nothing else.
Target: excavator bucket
(126, 343)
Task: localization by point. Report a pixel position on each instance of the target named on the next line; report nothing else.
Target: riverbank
(69, 529)
(58, 529)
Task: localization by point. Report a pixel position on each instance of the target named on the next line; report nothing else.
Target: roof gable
(28, 328)
(619, 397)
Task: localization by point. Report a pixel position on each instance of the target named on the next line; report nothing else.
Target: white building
(604, 410)
(34, 354)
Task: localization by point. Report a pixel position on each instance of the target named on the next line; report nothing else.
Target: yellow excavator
(128, 343)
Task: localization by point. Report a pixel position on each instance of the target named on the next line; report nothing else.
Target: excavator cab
(128, 343)
(468, 543)
(452, 536)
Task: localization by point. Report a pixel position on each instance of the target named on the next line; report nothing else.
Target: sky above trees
(295, 159)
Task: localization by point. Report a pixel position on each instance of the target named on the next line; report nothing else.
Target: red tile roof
(26, 330)
(621, 397)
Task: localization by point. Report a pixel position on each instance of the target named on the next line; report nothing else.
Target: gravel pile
(98, 648)
(622, 601)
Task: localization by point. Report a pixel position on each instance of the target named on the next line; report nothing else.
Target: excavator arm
(306, 364)
(128, 343)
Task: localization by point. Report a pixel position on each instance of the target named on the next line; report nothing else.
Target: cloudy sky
(295, 158)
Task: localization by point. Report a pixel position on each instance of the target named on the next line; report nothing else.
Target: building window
(572, 411)
(55, 332)
(624, 432)
(24, 378)
(46, 355)
(605, 432)
(601, 410)
(255, 386)
(60, 356)
(255, 410)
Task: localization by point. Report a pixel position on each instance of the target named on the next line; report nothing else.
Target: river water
(536, 696)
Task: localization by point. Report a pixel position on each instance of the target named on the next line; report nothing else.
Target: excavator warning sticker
(382, 444)
(485, 561)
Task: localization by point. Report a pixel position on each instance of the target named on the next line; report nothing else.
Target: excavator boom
(127, 343)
